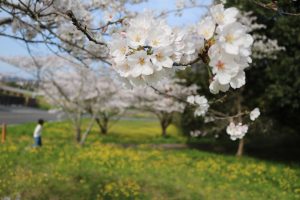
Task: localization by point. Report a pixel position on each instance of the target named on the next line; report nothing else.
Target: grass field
(104, 169)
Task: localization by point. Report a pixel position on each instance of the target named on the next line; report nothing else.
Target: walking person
(37, 134)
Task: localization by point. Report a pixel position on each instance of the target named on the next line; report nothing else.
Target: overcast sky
(11, 47)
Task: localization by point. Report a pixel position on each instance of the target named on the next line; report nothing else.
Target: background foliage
(272, 85)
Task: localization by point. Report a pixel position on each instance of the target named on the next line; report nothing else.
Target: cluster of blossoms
(254, 114)
(201, 104)
(230, 51)
(149, 49)
(143, 53)
(197, 133)
(235, 131)
(238, 131)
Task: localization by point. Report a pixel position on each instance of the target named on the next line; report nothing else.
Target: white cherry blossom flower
(196, 133)
(224, 69)
(162, 58)
(234, 40)
(239, 80)
(223, 16)
(201, 103)
(140, 63)
(187, 45)
(191, 99)
(215, 87)
(254, 114)
(229, 56)
(160, 37)
(136, 38)
(118, 48)
(207, 27)
(123, 68)
(144, 21)
(236, 131)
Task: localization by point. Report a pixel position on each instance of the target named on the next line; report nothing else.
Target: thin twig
(273, 6)
(80, 27)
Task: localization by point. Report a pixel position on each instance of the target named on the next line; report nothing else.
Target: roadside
(20, 114)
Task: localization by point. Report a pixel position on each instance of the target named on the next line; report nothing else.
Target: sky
(10, 47)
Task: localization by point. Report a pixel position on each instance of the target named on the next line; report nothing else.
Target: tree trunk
(164, 123)
(165, 120)
(104, 130)
(240, 150)
(164, 130)
(103, 126)
(88, 130)
(77, 125)
(78, 134)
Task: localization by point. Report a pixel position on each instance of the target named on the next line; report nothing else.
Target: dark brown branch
(274, 7)
(5, 21)
(35, 16)
(82, 29)
(168, 95)
(227, 117)
(25, 40)
(104, 27)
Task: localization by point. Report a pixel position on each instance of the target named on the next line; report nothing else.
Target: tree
(163, 100)
(68, 92)
(274, 83)
(108, 100)
(69, 27)
(263, 48)
(278, 88)
(64, 83)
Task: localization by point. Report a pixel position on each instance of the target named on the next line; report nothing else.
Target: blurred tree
(272, 84)
(275, 84)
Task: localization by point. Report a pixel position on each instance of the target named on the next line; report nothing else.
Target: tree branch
(5, 21)
(273, 6)
(79, 26)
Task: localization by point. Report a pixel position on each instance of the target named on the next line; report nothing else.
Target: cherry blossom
(230, 53)
(141, 51)
(145, 50)
(201, 104)
(254, 114)
(197, 133)
(140, 63)
(236, 131)
(223, 16)
(206, 28)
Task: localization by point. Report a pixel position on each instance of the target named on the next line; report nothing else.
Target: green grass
(105, 170)
(136, 132)
(42, 103)
(131, 112)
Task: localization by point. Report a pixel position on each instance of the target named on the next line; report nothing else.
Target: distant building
(15, 96)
